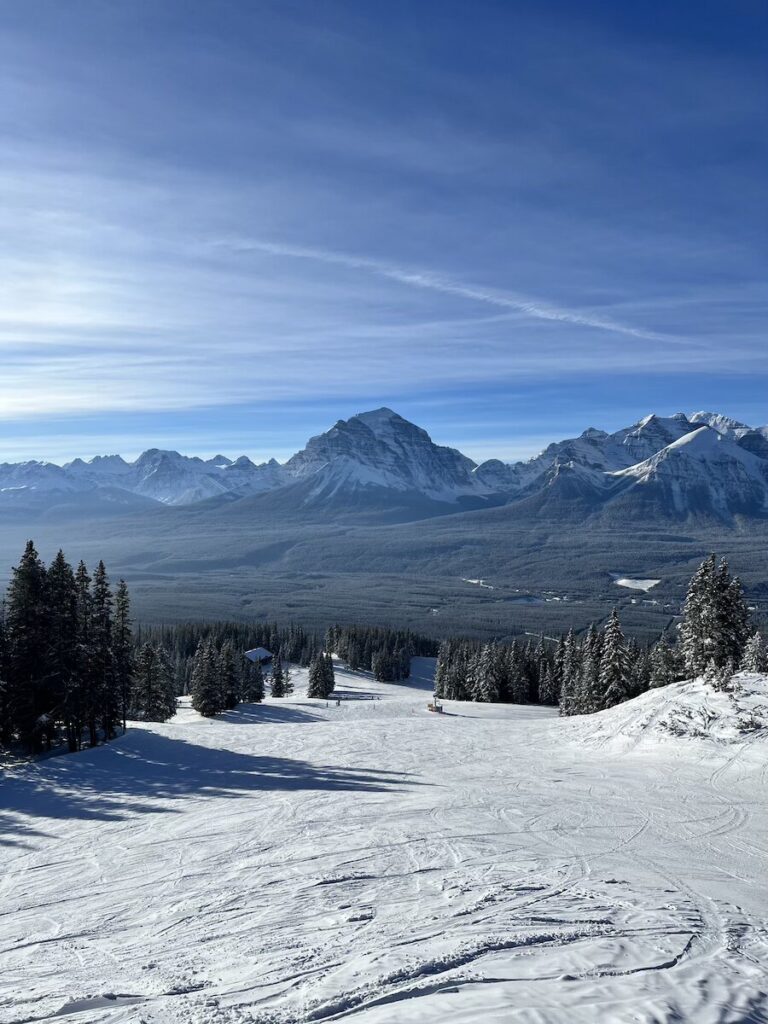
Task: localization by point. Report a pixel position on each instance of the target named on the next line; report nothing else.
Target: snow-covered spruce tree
(638, 668)
(719, 677)
(518, 683)
(277, 683)
(548, 687)
(570, 676)
(229, 678)
(537, 665)
(591, 695)
(205, 686)
(252, 683)
(287, 680)
(558, 661)
(442, 668)
(699, 619)
(715, 623)
(316, 677)
(662, 663)
(486, 674)
(734, 618)
(329, 674)
(332, 635)
(167, 678)
(754, 658)
(153, 698)
(711, 674)
(456, 685)
(613, 680)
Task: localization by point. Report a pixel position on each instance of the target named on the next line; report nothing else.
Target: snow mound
(689, 710)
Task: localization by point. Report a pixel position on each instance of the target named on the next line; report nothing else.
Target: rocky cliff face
(382, 449)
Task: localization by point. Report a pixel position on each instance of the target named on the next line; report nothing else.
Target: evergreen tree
(353, 656)
(699, 617)
(86, 662)
(518, 682)
(62, 655)
(316, 677)
(590, 694)
(548, 687)
(571, 677)
(104, 697)
(613, 664)
(205, 686)
(329, 674)
(6, 719)
(442, 668)
(719, 677)
(287, 680)
(277, 686)
(229, 679)
(735, 624)
(662, 663)
(153, 698)
(754, 658)
(26, 644)
(122, 650)
(486, 686)
(715, 623)
(252, 691)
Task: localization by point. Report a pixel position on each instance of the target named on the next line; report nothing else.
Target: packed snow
(300, 861)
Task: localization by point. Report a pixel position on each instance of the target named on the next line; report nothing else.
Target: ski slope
(292, 862)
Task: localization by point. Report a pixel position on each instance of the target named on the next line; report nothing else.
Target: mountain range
(378, 463)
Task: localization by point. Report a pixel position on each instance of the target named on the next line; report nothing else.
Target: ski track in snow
(293, 862)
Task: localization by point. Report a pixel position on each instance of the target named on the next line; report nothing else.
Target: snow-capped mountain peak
(382, 449)
(706, 462)
(704, 471)
(722, 424)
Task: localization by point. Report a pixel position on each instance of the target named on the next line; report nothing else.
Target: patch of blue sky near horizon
(224, 229)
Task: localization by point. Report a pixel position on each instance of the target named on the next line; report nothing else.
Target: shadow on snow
(133, 773)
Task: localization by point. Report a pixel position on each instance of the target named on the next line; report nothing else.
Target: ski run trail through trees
(292, 862)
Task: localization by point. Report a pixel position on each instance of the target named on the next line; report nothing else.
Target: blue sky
(225, 225)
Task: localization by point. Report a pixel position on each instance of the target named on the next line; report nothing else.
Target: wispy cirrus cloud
(437, 283)
(189, 267)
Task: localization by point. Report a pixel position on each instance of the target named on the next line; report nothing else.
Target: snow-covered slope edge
(686, 710)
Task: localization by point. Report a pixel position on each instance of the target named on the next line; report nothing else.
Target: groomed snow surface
(376, 862)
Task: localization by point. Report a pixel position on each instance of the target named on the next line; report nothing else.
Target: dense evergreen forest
(66, 655)
(73, 670)
(603, 668)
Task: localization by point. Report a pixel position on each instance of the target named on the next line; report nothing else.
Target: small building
(260, 655)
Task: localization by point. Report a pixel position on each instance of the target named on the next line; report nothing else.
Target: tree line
(385, 652)
(604, 668)
(66, 655)
(73, 670)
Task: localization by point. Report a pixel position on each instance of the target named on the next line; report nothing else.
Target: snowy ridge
(687, 710)
(703, 464)
(733, 478)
